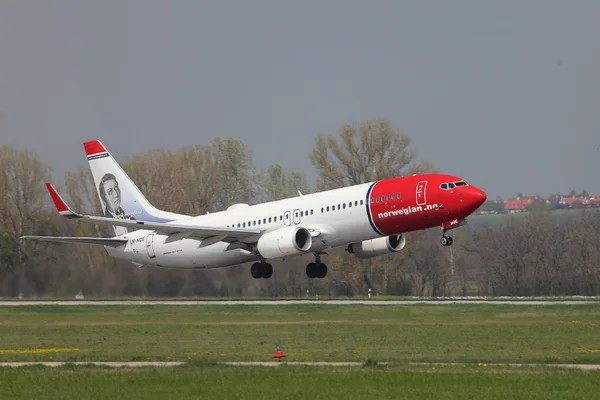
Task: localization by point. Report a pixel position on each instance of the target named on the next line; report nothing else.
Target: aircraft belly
(186, 253)
(153, 249)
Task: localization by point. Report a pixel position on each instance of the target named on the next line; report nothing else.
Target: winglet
(62, 207)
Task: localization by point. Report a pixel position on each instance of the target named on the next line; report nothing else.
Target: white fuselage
(347, 223)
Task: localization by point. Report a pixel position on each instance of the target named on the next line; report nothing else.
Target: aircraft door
(287, 218)
(296, 217)
(150, 245)
(421, 193)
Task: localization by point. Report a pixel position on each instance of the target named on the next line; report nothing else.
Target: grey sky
(503, 93)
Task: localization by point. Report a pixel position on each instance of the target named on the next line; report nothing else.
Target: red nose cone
(476, 197)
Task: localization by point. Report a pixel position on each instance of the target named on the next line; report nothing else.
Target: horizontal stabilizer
(113, 242)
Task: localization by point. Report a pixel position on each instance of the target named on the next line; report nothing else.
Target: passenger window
(356, 203)
(344, 205)
(361, 202)
(322, 209)
(244, 224)
(338, 206)
(311, 212)
(327, 208)
(350, 204)
(387, 197)
(302, 213)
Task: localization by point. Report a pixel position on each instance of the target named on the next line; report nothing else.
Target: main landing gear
(446, 240)
(261, 270)
(316, 269)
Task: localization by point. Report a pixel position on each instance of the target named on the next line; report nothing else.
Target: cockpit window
(452, 185)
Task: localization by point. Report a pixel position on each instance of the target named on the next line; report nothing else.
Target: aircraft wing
(200, 232)
(113, 242)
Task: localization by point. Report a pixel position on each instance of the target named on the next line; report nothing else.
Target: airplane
(368, 220)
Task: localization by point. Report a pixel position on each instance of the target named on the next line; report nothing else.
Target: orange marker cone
(278, 354)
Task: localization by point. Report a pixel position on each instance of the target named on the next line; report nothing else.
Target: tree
(156, 174)
(9, 253)
(277, 184)
(364, 152)
(23, 196)
(235, 176)
(198, 172)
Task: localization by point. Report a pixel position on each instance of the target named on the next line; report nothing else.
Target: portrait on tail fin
(110, 194)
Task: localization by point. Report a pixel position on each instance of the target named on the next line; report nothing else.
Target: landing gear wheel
(321, 271)
(261, 270)
(316, 270)
(268, 271)
(256, 270)
(311, 270)
(446, 240)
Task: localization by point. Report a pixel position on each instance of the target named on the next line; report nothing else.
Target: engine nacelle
(282, 242)
(378, 247)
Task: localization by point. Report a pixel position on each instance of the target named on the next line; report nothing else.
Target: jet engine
(291, 240)
(378, 247)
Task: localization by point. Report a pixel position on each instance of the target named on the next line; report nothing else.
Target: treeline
(535, 255)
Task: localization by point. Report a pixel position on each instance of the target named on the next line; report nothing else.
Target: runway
(132, 364)
(286, 302)
(138, 364)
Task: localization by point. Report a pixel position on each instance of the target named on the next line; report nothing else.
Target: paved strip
(278, 363)
(133, 364)
(279, 302)
(585, 367)
(103, 363)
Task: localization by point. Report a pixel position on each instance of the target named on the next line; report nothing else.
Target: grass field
(202, 336)
(307, 332)
(218, 382)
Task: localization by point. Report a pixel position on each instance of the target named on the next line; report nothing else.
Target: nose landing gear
(446, 240)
